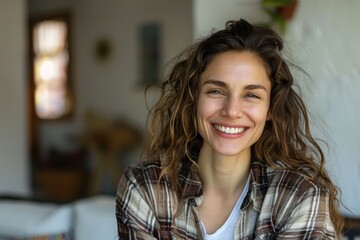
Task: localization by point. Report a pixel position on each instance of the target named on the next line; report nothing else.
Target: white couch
(91, 219)
(95, 219)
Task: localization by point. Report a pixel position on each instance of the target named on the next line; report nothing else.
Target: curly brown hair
(286, 141)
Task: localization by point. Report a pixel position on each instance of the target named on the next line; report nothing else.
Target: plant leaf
(275, 3)
(277, 19)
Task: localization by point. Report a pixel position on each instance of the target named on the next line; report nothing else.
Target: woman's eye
(251, 95)
(215, 91)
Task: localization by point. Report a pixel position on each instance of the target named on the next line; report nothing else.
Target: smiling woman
(229, 130)
(231, 116)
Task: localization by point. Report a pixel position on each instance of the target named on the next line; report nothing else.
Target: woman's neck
(223, 175)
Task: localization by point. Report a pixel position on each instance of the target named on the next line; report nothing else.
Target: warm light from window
(50, 37)
(51, 59)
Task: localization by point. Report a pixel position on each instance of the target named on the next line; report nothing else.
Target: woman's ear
(269, 116)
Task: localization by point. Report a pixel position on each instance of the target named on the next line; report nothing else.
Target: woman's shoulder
(290, 180)
(143, 171)
(139, 179)
(282, 176)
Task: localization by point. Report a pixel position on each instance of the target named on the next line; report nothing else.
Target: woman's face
(233, 104)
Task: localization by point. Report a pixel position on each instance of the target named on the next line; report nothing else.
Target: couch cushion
(95, 218)
(24, 219)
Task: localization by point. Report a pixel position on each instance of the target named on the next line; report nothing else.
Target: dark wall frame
(33, 120)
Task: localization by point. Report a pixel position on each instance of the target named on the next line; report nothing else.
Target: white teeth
(229, 130)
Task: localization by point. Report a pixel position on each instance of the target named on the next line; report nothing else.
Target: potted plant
(280, 11)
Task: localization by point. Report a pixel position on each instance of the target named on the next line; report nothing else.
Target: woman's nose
(232, 108)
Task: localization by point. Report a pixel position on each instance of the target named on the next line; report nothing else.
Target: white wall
(112, 87)
(14, 170)
(210, 15)
(323, 38)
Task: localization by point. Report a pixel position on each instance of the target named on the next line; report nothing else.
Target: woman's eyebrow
(247, 87)
(215, 82)
(255, 86)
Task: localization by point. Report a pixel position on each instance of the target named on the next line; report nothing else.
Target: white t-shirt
(226, 231)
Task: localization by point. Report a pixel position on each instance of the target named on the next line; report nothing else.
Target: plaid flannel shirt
(280, 204)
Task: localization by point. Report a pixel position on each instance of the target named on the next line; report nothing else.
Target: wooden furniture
(61, 185)
(106, 140)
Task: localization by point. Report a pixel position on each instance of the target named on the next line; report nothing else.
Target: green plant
(275, 3)
(279, 11)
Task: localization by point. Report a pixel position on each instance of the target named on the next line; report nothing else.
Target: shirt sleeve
(307, 217)
(134, 215)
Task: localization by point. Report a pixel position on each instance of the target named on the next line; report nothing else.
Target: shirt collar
(189, 180)
(259, 183)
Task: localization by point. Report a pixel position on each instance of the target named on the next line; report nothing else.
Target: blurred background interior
(72, 105)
